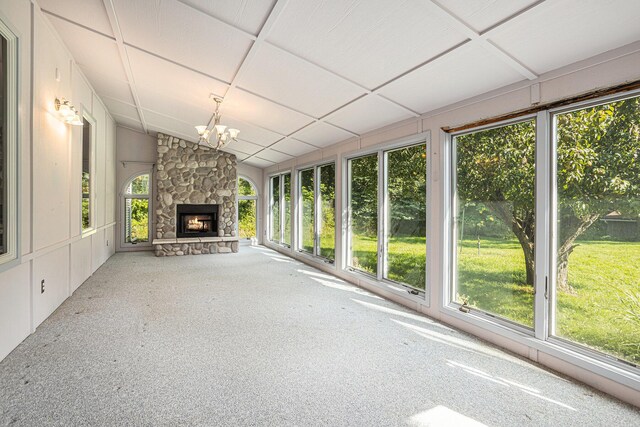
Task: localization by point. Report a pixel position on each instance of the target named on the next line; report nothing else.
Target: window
(137, 210)
(327, 215)
(387, 222)
(495, 221)
(363, 214)
(87, 175)
(280, 211)
(317, 211)
(286, 208)
(247, 209)
(8, 145)
(274, 229)
(597, 271)
(406, 213)
(308, 211)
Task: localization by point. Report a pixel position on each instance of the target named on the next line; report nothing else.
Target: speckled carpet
(256, 338)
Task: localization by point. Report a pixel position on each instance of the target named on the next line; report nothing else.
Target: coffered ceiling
(298, 75)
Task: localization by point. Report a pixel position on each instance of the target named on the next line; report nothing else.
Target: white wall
(51, 245)
(606, 70)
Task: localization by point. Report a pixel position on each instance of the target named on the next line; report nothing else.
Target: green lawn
(602, 312)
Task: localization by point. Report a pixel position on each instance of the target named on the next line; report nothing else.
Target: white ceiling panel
(179, 32)
(258, 162)
(322, 134)
(120, 108)
(91, 14)
(250, 108)
(128, 122)
(483, 14)
(105, 85)
(169, 125)
(239, 155)
(167, 81)
(245, 146)
(249, 132)
(181, 111)
(246, 15)
(369, 42)
(91, 50)
(274, 156)
(293, 147)
(464, 73)
(559, 33)
(285, 78)
(368, 113)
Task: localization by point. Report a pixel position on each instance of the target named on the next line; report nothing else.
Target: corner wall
(52, 247)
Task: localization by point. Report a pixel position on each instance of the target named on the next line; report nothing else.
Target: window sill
(88, 232)
(627, 376)
(394, 288)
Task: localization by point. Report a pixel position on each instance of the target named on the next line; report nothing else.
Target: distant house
(622, 228)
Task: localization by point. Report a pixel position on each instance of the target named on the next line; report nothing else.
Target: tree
(598, 171)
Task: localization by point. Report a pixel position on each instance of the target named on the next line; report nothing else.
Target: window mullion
(381, 217)
(542, 224)
(316, 211)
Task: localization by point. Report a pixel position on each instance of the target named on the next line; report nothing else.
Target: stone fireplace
(196, 190)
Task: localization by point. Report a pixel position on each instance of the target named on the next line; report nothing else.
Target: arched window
(247, 209)
(136, 210)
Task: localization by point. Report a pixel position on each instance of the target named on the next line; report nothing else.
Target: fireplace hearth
(197, 220)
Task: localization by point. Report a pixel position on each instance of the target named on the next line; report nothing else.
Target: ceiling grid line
(482, 39)
(115, 27)
(220, 21)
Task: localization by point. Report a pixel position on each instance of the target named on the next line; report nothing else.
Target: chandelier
(222, 135)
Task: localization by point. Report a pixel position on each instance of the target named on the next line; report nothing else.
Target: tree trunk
(566, 247)
(524, 229)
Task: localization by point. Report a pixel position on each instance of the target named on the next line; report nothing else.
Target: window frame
(452, 230)
(12, 186)
(281, 212)
(552, 174)
(240, 197)
(92, 176)
(148, 197)
(317, 211)
(421, 296)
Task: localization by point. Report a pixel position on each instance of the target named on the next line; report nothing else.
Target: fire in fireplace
(197, 220)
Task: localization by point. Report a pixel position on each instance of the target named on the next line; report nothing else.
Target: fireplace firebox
(197, 220)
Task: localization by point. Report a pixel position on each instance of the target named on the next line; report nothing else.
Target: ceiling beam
(115, 27)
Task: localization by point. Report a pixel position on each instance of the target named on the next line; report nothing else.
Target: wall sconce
(68, 112)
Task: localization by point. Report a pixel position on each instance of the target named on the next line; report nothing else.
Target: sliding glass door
(387, 221)
(280, 209)
(317, 211)
(363, 214)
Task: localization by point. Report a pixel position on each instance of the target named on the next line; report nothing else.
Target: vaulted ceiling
(299, 75)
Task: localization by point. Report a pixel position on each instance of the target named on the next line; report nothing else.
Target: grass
(603, 312)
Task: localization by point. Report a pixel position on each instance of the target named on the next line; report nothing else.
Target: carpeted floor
(259, 339)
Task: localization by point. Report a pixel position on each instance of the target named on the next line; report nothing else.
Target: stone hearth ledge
(194, 240)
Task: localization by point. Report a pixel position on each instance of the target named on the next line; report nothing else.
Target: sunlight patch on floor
(441, 416)
(507, 383)
(402, 314)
